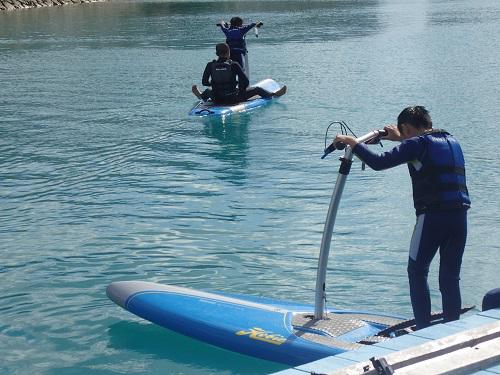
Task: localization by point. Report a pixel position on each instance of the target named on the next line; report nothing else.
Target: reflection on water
(462, 14)
(168, 347)
(184, 24)
(231, 134)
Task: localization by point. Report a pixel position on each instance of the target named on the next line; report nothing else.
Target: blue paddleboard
(209, 108)
(259, 327)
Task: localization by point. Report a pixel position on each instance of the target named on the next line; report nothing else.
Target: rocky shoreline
(24, 4)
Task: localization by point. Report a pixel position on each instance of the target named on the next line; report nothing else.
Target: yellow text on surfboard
(261, 335)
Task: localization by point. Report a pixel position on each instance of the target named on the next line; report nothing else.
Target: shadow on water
(165, 344)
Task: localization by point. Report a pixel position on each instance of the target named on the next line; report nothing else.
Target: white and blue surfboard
(274, 330)
(209, 108)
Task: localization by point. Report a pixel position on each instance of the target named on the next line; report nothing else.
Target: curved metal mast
(345, 167)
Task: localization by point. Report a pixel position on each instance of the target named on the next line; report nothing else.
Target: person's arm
(393, 133)
(407, 151)
(242, 77)
(247, 28)
(224, 29)
(206, 75)
(347, 139)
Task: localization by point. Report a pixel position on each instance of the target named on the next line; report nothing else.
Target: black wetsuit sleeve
(206, 75)
(242, 77)
(247, 28)
(224, 29)
(409, 150)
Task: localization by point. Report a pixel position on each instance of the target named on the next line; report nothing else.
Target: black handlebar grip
(340, 145)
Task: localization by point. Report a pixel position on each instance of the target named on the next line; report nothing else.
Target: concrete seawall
(24, 4)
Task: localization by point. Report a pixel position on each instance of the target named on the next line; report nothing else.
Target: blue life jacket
(235, 39)
(438, 176)
(223, 79)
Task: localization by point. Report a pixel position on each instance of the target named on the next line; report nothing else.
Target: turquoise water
(104, 177)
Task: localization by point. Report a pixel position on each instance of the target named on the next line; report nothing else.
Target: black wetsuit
(437, 169)
(229, 83)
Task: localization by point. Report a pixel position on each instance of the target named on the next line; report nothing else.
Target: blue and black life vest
(438, 176)
(223, 78)
(236, 41)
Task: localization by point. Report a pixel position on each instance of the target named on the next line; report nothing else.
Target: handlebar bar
(369, 138)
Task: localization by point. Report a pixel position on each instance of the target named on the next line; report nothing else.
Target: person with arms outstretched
(441, 200)
(235, 38)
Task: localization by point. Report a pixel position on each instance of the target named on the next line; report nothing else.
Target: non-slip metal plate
(335, 325)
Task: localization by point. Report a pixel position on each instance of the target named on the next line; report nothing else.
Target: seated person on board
(228, 81)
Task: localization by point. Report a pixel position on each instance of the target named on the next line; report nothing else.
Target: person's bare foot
(280, 92)
(196, 92)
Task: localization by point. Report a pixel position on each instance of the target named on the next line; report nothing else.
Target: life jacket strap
(442, 207)
(435, 169)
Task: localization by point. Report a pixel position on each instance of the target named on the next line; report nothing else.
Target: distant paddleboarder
(235, 38)
(228, 81)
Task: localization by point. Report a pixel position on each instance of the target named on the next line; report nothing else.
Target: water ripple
(104, 177)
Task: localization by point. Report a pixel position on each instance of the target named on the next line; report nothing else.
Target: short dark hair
(417, 116)
(236, 22)
(221, 49)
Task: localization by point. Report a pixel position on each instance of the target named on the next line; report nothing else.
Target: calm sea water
(104, 177)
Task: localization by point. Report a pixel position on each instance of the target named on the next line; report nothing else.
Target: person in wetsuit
(228, 81)
(437, 170)
(235, 38)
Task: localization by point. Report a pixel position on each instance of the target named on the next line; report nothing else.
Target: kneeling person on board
(437, 170)
(228, 81)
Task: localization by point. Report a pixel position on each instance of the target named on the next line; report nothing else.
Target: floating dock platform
(469, 346)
